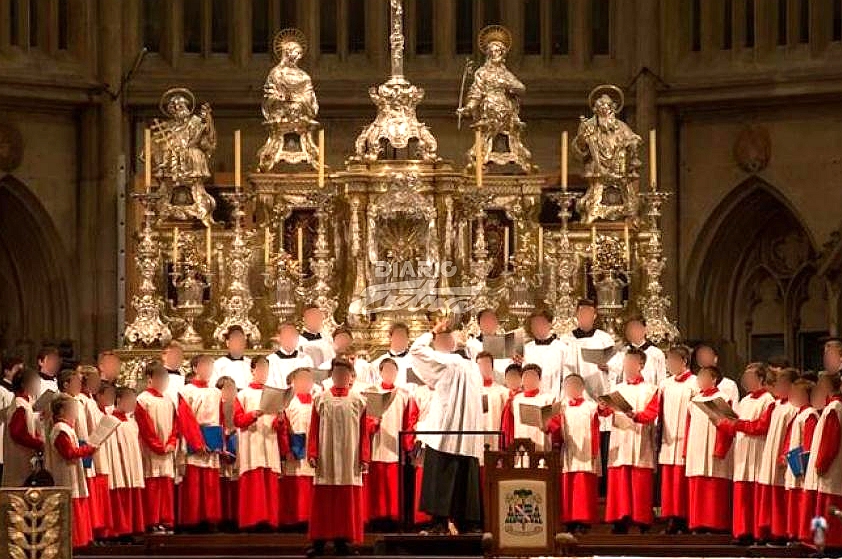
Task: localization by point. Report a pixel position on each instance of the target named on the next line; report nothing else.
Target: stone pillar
(89, 172)
(648, 52)
(104, 227)
(668, 159)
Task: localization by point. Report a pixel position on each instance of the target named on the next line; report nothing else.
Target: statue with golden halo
(289, 106)
(609, 149)
(182, 149)
(494, 103)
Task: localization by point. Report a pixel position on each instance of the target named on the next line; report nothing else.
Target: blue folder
(795, 461)
(231, 444)
(87, 461)
(213, 437)
(297, 444)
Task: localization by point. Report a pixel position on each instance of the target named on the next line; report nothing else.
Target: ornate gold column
(36, 523)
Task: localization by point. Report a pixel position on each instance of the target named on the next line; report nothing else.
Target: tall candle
(628, 245)
(506, 249)
(564, 160)
(321, 158)
(653, 161)
(266, 246)
(175, 246)
(480, 156)
(237, 160)
(147, 159)
(208, 242)
(593, 244)
(301, 247)
(540, 248)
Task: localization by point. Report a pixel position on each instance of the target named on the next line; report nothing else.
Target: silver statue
(182, 149)
(396, 125)
(289, 107)
(609, 149)
(494, 103)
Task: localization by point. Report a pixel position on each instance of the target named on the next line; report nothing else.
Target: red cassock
(631, 458)
(200, 497)
(576, 428)
(259, 454)
(799, 436)
(338, 443)
(382, 483)
(64, 460)
(297, 483)
(676, 394)
(157, 424)
(709, 468)
(127, 481)
(771, 478)
(755, 414)
(828, 468)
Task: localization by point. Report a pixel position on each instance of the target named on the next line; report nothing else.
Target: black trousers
(450, 487)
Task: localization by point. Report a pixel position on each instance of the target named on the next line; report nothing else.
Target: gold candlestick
(208, 245)
(147, 159)
(300, 248)
(175, 246)
(266, 247)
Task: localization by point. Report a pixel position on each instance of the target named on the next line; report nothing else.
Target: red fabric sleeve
(829, 444)
(365, 441)
(313, 435)
(595, 435)
(651, 412)
(189, 427)
(723, 442)
(284, 430)
(555, 429)
(757, 427)
(20, 434)
(242, 418)
(809, 430)
(410, 421)
(507, 424)
(70, 451)
(175, 434)
(785, 442)
(606, 412)
(148, 435)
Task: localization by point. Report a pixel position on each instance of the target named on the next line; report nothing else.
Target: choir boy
(313, 336)
(708, 461)
(98, 484)
(798, 440)
(489, 325)
(127, 479)
(677, 390)
(771, 494)
(22, 438)
(228, 468)
(158, 429)
(199, 410)
(494, 398)
(656, 367)
(398, 352)
(259, 455)
(11, 365)
(297, 481)
(64, 459)
(631, 453)
(832, 356)
(450, 484)
(339, 450)
(172, 356)
(577, 429)
(108, 365)
(287, 358)
(402, 415)
(234, 364)
(49, 363)
(587, 335)
(755, 412)
(826, 459)
(514, 384)
(531, 396)
(810, 485)
(546, 351)
(706, 356)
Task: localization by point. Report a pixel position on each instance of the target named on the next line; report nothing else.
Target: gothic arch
(36, 280)
(754, 233)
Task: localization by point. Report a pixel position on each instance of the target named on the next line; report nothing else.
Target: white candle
(266, 246)
(175, 246)
(147, 159)
(653, 161)
(301, 247)
(564, 160)
(593, 244)
(479, 156)
(237, 160)
(540, 248)
(322, 158)
(208, 242)
(506, 249)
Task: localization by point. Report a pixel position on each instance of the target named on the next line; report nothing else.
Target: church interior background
(743, 96)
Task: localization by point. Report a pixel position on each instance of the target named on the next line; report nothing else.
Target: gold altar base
(36, 522)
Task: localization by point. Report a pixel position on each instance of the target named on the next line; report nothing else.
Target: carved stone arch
(739, 238)
(39, 273)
